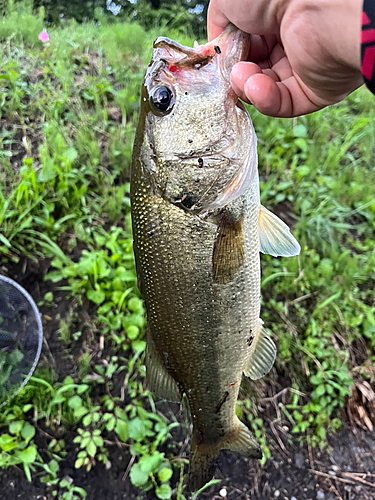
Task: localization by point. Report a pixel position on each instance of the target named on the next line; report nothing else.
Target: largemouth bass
(198, 228)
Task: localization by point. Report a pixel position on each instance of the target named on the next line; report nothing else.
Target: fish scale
(197, 243)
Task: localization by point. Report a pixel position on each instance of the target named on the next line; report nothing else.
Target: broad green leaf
(28, 431)
(165, 474)
(150, 463)
(164, 491)
(137, 429)
(97, 296)
(75, 402)
(79, 462)
(300, 131)
(48, 171)
(80, 411)
(28, 455)
(91, 449)
(70, 155)
(139, 346)
(138, 477)
(134, 304)
(98, 440)
(320, 390)
(15, 427)
(54, 465)
(122, 430)
(7, 443)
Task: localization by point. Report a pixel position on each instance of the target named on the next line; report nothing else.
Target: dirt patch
(337, 474)
(99, 483)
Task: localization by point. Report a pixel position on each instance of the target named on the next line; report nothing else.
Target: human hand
(304, 54)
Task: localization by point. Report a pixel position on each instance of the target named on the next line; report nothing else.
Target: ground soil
(343, 471)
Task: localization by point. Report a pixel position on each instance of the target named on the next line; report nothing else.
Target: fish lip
(163, 41)
(239, 37)
(237, 44)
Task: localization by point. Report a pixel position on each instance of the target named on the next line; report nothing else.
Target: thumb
(216, 20)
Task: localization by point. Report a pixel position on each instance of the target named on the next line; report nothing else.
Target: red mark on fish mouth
(207, 51)
(172, 68)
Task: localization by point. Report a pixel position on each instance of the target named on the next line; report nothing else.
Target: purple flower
(43, 36)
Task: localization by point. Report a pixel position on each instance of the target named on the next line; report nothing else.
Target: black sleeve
(368, 44)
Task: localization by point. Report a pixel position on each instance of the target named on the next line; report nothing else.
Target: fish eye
(161, 100)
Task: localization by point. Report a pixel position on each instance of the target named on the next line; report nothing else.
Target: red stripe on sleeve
(368, 36)
(365, 19)
(368, 63)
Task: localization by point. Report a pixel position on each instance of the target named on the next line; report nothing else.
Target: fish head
(200, 138)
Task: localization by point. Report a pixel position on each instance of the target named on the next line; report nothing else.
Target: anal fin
(275, 237)
(159, 381)
(262, 354)
(228, 252)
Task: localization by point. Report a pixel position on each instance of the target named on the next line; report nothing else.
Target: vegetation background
(86, 426)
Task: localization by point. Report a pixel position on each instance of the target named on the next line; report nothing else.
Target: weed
(17, 447)
(51, 479)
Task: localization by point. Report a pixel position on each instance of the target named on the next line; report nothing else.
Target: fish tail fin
(202, 465)
(204, 457)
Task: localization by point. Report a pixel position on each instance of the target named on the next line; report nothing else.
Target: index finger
(216, 20)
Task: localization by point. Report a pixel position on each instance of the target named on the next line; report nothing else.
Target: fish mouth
(230, 47)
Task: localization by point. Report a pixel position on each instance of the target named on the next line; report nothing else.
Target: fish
(198, 228)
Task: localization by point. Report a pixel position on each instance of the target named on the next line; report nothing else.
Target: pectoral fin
(275, 237)
(159, 381)
(228, 252)
(262, 354)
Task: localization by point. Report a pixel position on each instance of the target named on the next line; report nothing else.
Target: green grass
(68, 115)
